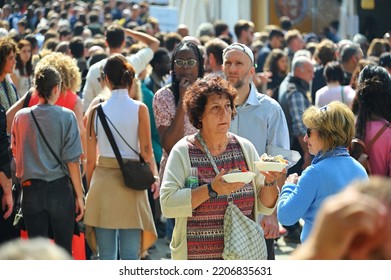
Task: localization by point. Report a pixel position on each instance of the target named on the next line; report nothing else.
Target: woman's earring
(199, 125)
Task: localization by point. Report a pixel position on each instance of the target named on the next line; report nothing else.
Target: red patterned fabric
(205, 233)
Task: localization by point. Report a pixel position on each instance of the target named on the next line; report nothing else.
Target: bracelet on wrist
(266, 184)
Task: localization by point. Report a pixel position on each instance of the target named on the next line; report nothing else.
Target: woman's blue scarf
(339, 151)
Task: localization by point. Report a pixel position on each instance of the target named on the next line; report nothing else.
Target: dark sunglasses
(182, 63)
(309, 131)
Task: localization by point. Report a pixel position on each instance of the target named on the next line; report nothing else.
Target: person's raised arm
(145, 38)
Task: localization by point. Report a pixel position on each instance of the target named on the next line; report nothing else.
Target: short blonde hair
(334, 124)
(66, 66)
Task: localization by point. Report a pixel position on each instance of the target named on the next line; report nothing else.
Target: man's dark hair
(220, 27)
(78, 28)
(64, 32)
(171, 40)
(115, 36)
(242, 25)
(158, 56)
(333, 72)
(285, 23)
(275, 33)
(216, 47)
(93, 16)
(76, 45)
(385, 60)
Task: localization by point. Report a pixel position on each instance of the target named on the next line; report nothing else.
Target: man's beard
(239, 84)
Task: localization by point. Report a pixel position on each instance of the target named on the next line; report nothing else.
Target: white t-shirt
(92, 88)
(327, 94)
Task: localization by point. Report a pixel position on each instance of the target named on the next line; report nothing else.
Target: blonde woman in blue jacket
(330, 130)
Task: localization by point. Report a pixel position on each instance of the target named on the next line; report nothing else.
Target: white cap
(241, 47)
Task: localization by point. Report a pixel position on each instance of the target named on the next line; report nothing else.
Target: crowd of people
(211, 102)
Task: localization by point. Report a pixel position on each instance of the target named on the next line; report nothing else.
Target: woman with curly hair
(199, 209)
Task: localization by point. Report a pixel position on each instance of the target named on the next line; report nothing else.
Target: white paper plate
(270, 166)
(244, 177)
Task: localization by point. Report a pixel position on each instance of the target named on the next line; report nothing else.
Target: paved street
(282, 250)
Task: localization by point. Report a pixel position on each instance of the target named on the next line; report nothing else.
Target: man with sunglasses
(259, 118)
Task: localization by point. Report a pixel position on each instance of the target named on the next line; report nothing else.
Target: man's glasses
(182, 63)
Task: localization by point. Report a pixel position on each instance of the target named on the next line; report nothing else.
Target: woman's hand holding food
(224, 188)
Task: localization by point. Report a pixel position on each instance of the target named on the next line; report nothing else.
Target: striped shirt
(205, 229)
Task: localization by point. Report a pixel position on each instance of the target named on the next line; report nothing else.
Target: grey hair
(298, 62)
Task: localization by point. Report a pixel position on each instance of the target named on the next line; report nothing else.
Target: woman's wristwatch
(266, 184)
(212, 193)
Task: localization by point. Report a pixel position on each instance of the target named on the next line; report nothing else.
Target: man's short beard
(239, 84)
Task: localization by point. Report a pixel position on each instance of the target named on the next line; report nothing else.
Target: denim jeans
(49, 210)
(109, 239)
(170, 224)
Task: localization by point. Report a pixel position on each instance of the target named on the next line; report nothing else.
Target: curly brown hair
(66, 66)
(197, 95)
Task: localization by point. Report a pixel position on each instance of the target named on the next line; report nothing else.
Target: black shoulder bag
(136, 174)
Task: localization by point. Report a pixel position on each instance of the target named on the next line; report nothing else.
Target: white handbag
(243, 238)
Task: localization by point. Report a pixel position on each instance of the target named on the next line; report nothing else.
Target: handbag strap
(109, 135)
(103, 119)
(120, 134)
(27, 98)
(342, 94)
(47, 143)
(202, 142)
(378, 134)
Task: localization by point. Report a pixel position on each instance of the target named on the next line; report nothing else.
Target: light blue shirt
(262, 121)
